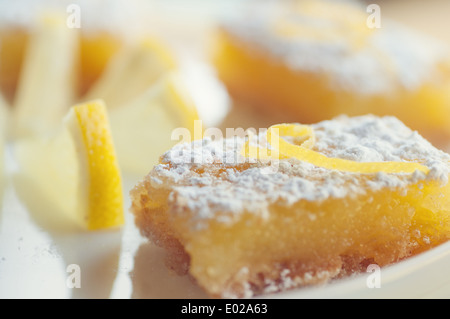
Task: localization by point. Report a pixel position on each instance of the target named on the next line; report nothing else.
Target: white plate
(38, 263)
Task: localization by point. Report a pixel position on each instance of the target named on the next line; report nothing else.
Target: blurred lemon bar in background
(309, 60)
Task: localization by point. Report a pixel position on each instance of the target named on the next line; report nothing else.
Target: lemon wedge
(143, 128)
(76, 172)
(47, 81)
(131, 72)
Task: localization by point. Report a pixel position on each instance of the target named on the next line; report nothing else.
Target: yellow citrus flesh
(101, 184)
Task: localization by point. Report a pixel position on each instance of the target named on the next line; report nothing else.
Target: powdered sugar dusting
(213, 186)
(375, 139)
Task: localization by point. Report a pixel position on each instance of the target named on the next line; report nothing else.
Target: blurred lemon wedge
(76, 171)
(143, 128)
(134, 69)
(47, 81)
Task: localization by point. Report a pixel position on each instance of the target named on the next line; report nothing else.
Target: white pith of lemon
(46, 85)
(131, 72)
(143, 128)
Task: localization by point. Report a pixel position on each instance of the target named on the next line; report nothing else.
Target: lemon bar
(243, 226)
(310, 61)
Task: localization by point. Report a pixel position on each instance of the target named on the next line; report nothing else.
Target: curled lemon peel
(283, 149)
